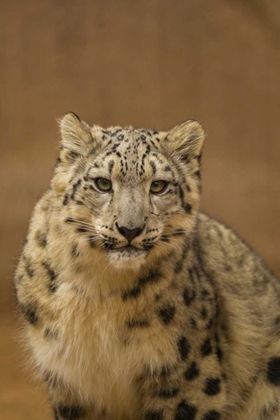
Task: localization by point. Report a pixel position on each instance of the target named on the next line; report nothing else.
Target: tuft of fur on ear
(185, 141)
(76, 138)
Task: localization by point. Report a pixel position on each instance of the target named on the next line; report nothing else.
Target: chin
(127, 258)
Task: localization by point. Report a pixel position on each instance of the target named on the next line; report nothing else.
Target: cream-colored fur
(182, 324)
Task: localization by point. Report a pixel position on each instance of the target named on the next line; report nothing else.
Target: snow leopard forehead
(132, 150)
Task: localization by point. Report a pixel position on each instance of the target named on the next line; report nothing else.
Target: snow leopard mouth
(128, 252)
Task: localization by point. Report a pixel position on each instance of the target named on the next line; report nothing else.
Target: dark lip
(129, 247)
(126, 247)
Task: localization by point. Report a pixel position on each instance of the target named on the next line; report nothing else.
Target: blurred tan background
(149, 63)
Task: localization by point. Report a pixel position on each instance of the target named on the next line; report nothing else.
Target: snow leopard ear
(76, 138)
(185, 141)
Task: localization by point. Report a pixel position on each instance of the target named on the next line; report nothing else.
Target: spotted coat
(135, 305)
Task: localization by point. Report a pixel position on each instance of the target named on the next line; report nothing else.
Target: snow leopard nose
(130, 234)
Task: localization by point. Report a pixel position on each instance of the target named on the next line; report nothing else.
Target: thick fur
(183, 324)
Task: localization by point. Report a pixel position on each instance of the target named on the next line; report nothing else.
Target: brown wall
(150, 63)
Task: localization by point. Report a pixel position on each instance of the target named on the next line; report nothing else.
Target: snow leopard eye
(158, 187)
(103, 184)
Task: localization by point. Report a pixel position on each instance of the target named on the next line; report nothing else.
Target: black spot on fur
(193, 323)
(273, 371)
(167, 169)
(75, 187)
(212, 386)
(137, 323)
(70, 413)
(185, 411)
(153, 166)
(154, 415)
(41, 239)
(30, 313)
(167, 313)
(219, 353)
(180, 264)
(114, 133)
(153, 276)
(65, 200)
(71, 155)
(165, 371)
(188, 296)
(168, 393)
(197, 174)
(183, 347)
(157, 297)
(205, 294)
(186, 158)
(199, 157)
(28, 266)
(187, 208)
(203, 313)
(52, 276)
(111, 165)
(212, 415)
(131, 293)
(192, 372)
(181, 194)
(206, 347)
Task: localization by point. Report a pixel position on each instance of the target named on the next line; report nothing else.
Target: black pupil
(159, 186)
(104, 183)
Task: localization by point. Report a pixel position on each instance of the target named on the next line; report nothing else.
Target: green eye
(103, 184)
(158, 187)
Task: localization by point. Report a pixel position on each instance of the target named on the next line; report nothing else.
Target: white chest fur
(96, 354)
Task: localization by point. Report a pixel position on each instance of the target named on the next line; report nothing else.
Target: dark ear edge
(74, 115)
(69, 124)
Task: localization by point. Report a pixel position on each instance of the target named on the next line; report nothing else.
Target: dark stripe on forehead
(111, 165)
(153, 166)
(114, 133)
